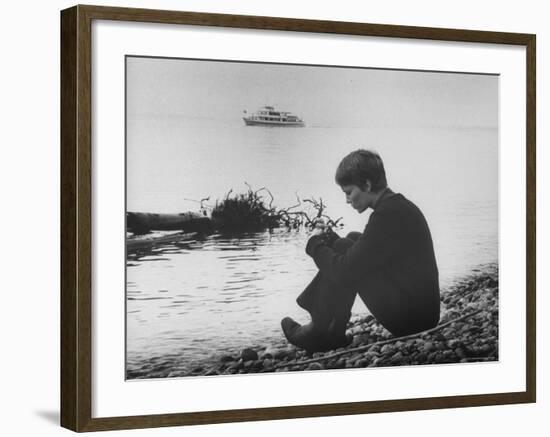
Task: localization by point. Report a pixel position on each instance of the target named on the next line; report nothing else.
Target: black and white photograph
(290, 217)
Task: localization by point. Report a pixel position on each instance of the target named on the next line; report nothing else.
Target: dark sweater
(392, 267)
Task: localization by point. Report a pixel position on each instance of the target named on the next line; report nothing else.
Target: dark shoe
(289, 326)
(310, 338)
(305, 337)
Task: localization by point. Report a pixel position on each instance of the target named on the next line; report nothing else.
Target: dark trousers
(328, 304)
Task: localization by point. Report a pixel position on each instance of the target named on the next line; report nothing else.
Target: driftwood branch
(271, 199)
(250, 211)
(297, 205)
(205, 199)
(378, 343)
(202, 206)
(229, 194)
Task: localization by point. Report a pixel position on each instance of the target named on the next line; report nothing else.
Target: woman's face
(359, 199)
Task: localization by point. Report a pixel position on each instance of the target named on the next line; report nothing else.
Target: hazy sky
(322, 96)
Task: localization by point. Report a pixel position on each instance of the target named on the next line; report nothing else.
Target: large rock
(315, 366)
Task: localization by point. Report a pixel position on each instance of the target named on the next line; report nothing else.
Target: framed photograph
(268, 218)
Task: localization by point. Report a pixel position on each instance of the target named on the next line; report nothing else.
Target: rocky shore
(467, 332)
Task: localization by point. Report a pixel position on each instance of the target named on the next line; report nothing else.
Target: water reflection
(217, 293)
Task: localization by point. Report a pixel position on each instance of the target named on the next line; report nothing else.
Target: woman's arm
(371, 251)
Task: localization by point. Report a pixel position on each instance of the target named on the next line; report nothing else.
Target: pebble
(397, 358)
(249, 354)
(227, 358)
(428, 346)
(449, 332)
(281, 353)
(475, 330)
(375, 349)
(360, 339)
(369, 319)
(421, 357)
(291, 355)
(485, 349)
(448, 356)
(235, 366)
(453, 343)
(460, 352)
(369, 355)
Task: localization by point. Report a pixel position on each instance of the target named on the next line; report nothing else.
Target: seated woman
(391, 265)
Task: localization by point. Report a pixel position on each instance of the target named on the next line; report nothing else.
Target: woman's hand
(320, 227)
(318, 231)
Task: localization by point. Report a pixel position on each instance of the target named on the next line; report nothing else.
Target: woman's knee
(354, 235)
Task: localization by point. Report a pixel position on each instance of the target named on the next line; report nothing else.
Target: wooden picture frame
(76, 217)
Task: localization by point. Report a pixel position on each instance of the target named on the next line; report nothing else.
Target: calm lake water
(200, 298)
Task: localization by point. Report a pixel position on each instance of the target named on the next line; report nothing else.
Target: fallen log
(144, 222)
(147, 242)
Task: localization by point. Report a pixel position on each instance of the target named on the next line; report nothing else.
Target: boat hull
(250, 122)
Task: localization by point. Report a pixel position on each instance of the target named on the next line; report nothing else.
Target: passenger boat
(269, 116)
